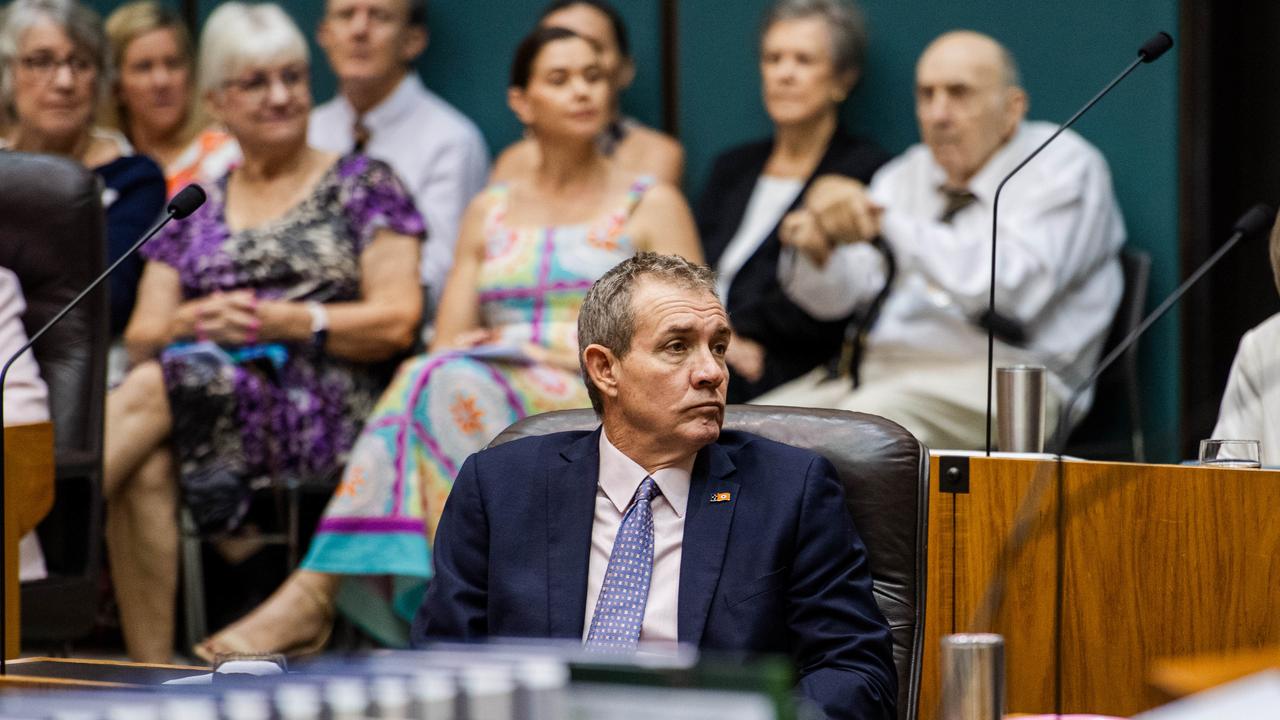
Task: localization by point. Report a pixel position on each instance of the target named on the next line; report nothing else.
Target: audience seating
(886, 477)
(52, 238)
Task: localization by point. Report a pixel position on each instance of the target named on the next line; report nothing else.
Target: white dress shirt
(437, 152)
(1057, 268)
(620, 477)
(1251, 402)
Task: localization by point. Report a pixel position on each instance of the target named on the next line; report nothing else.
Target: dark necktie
(619, 615)
(360, 132)
(957, 200)
(1004, 327)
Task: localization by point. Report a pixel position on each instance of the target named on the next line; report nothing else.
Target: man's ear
(322, 34)
(602, 369)
(1016, 106)
(415, 42)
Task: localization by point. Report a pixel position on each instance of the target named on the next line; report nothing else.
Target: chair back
(885, 472)
(1112, 430)
(52, 236)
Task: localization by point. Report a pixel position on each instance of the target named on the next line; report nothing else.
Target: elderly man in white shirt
(1058, 280)
(383, 109)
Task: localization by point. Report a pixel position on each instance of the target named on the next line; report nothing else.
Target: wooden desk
(1161, 562)
(42, 673)
(28, 496)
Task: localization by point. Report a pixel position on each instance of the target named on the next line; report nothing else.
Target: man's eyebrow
(678, 328)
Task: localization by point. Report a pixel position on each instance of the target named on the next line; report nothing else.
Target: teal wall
(1066, 50)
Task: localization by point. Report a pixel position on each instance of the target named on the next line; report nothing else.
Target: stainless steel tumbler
(973, 677)
(1020, 408)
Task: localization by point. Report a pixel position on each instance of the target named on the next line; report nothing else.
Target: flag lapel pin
(721, 497)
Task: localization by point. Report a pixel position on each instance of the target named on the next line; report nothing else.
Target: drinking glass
(1231, 453)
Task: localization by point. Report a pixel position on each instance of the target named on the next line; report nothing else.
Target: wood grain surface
(28, 495)
(1161, 562)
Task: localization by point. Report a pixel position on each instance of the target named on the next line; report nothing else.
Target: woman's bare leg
(142, 546)
(142, 500)
(296, 618)
(138, 422)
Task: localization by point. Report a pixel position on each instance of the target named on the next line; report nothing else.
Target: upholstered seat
(886, 477)
(52, 238)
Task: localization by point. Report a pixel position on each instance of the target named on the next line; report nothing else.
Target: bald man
(921, 358)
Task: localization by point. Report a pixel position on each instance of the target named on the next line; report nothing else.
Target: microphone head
(1156, 46)
(1255, 219)
(186, 201)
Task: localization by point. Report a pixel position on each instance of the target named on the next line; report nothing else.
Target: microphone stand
(1256, 218)
(182, 205)
(1152, 49)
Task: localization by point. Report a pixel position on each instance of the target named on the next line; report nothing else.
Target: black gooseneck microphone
(1254, 220)
(183, 204)
(1150, 51)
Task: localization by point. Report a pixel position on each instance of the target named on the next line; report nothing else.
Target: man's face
(671, 385)
(369, 40)
(966, 108)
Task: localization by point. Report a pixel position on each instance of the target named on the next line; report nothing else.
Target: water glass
(1231, 453)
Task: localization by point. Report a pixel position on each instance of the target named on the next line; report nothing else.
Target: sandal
(233, 640)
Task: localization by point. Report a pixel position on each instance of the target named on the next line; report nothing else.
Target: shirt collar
(620, 476)
(983, 184)
(389, 110)
(396, 105)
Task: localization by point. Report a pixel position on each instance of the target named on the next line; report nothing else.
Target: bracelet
(251, 332)
(319, 325)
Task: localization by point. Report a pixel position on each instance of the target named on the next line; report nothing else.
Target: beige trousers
(942, 402)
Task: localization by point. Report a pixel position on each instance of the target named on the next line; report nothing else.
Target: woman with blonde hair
(154, 101)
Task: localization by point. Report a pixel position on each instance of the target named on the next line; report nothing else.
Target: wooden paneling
(1160, 562)
(28, 495)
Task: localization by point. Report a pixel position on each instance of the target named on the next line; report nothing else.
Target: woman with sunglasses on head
(262, 321)
(624, 139)
(53, 74)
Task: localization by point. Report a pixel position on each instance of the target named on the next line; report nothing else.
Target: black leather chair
(886, 477)
(52, 238)
(1113, 428)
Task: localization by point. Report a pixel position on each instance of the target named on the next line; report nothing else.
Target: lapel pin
(721, 497)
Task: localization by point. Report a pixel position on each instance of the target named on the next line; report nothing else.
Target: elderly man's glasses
(45, 65)
(255, 86)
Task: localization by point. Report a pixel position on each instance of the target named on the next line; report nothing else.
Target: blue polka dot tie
(615, 627)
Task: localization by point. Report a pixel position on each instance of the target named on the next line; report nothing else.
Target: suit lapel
(706, 534)
(571, 495)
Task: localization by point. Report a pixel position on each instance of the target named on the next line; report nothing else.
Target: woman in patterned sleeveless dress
(505, 347)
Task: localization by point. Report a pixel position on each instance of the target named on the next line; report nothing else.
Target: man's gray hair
(82, 25)
(607, 318)
(844, 20)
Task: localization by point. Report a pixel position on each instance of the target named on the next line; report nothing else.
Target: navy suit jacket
(779, 568)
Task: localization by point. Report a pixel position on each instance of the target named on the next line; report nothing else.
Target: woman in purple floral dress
(262, 321)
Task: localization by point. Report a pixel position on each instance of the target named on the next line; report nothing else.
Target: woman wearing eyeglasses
(53, 73)
(261, 323)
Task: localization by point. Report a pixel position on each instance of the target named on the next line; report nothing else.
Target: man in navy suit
(657, 527)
